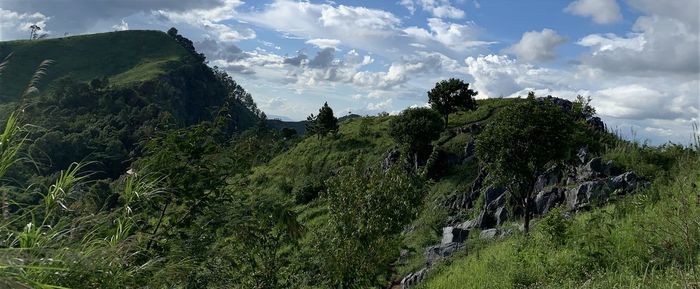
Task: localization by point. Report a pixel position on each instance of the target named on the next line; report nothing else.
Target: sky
(639, 60)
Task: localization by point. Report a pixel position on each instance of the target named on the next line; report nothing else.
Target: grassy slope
(367, 140)
(648, 240)
(124, 57)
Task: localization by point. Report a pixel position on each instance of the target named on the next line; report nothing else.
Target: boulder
(436, 252)
(488, 234)
(583, 155)
(472, 224)
(587, 193)
(596, 123)
(550, 177)
(454, 235)
(548, 199)
(413, 278)
(625, 183)
(491, 194)
(595, 168)
(501, 215)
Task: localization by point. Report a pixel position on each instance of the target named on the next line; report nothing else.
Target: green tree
(414, 130)
(520, 142)
(367, 211)
(451, 95)
(323, 123)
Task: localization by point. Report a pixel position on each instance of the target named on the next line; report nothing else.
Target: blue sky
(638, 59)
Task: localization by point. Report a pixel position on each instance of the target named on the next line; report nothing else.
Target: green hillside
(124, 57)
(157, 171)
(105, 94)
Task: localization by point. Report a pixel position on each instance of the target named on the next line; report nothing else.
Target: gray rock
(587, 193)
(488, 234)
(625, 183)
(501, 215)
(548, 199)
(595, 168)
(471, 224)
(437, 252)
(491, 194)
(583, 155)
(453, 235)
(413, 278)
(550, 177)
(596, 123)
(469, 151)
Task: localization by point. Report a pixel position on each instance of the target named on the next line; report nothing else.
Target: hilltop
(124, 57)
(105, 94)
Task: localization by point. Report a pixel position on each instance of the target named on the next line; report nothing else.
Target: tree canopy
(414, 129)
(451, 95)
(323, 123)
(519, 143)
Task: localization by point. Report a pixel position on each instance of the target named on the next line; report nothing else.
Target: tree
(414, 129)
(367, 210)
(520, 142)
(451, 95)
(34, 31)
(322, 124)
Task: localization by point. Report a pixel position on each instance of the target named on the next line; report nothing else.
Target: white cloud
(15, 25)
(658, 44)
(373, 30)
(324, 43)
(633, 101)
(457, 37)
(685, 11)
(602, 11)
(438, 8)
(210, 20)
(537, 46)
(499, 75)
(121, 26)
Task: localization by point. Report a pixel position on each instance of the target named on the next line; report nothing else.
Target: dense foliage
(519, 144)
(322, 124)
(414, 130)
(451, 95)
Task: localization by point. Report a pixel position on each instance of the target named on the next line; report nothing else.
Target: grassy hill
(124, 57)
(105, 94)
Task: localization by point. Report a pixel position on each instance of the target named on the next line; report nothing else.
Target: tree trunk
(446, 118)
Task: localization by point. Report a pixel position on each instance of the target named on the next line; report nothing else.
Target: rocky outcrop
(589, 182)
(414, 278)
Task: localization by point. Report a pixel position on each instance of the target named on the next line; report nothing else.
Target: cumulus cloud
(373, 30)
(15, 25)
(81, 16)
(537, 46)
(121, 26)
(658, 43)
(457, 37)
(324, 43)
(438, 8)
(601, 11)
(634, 101)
